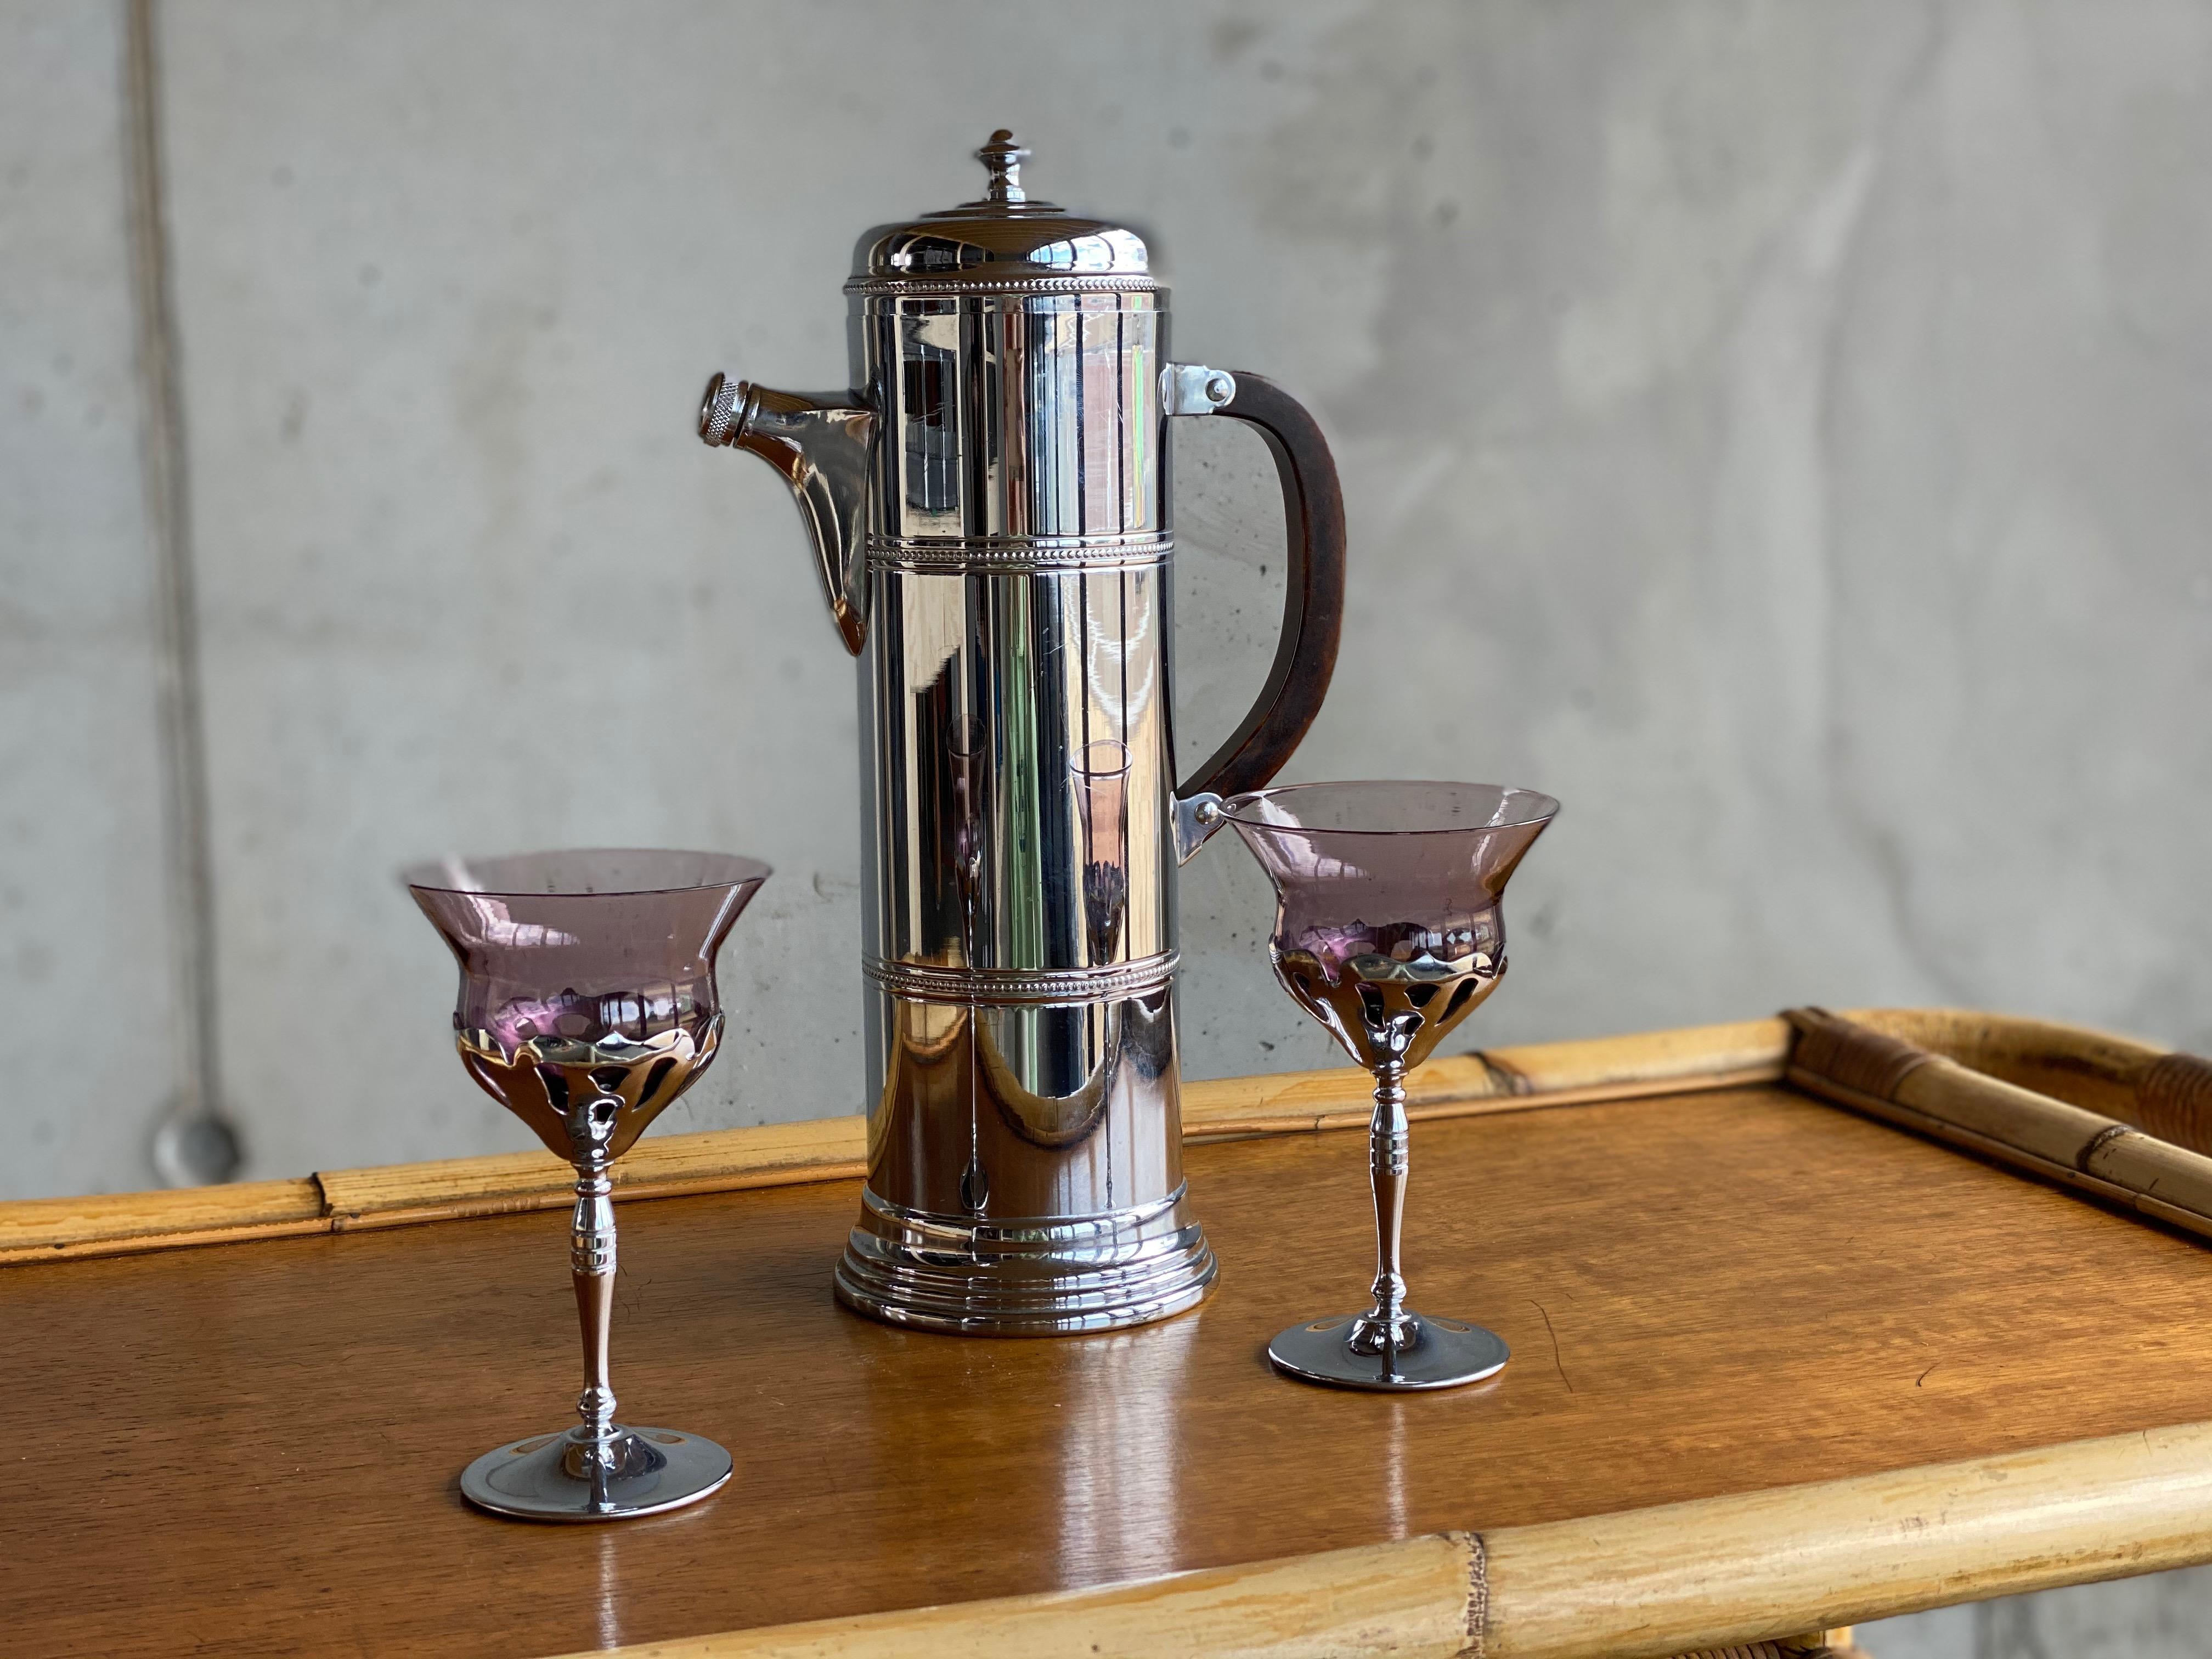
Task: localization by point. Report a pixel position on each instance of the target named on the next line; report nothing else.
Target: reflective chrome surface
(1008, 417)
(1390, 1347)
(1025, 1137)
(599, 1470)
(940, 1274)
(1443, 1354)
(819, 442)
(1023, 778)
(1194, 389)
(1005, 242)
(1063, 1108)
(566, 1476)
(989, 512)
(1389, 930)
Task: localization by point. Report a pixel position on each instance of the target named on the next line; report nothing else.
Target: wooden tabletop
(253, 1448)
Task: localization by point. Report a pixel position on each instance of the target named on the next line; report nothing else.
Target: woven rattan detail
(1478, 1594)
(2173, 1100)
(1867, 1061)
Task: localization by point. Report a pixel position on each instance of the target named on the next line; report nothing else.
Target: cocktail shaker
(989, 506)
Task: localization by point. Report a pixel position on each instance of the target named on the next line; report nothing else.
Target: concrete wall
(84, 936)
(1778, 430)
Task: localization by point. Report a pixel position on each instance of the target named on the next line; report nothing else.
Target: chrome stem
(591, 1260)
(1387, 1324)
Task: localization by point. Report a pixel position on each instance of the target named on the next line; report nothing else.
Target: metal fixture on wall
(194, 1143)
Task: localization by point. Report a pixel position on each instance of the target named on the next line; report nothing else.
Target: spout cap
(721, 411)
(1004, 240)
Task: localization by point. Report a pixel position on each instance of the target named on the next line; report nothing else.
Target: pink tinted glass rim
(710, 870)
(1541, 809)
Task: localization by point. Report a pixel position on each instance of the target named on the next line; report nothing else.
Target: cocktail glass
(1388, 930)
(588, 1003)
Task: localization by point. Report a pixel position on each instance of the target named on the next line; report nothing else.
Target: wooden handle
(1313, 594)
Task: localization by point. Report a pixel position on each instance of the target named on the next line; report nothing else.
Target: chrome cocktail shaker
(989, 506)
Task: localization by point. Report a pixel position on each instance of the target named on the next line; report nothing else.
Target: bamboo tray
(1777, 1367)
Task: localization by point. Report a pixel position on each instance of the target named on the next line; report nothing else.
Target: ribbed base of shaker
(938, 1272)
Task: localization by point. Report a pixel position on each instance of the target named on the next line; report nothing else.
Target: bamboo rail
(1718, 1574)
(1901, 1083)
(2132, 1081)
(1641, 1583)
(832, 1149)
(2090, 1068)
(1409, 1599)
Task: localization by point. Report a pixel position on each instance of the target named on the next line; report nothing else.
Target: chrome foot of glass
(570, 1476)
(1443, 1354)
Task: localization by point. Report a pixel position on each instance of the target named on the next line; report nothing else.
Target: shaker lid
(1007, 241)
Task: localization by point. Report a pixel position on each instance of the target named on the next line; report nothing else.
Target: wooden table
(1868, 1373)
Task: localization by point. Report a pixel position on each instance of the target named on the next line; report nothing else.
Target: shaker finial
(1003, 158)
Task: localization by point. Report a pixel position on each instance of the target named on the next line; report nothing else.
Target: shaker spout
(819, 441)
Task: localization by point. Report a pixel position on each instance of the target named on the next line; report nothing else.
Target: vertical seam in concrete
(162, 459)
